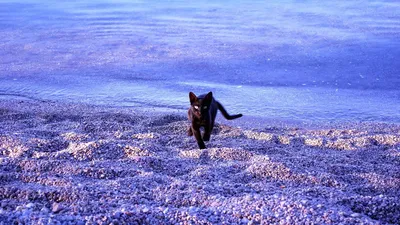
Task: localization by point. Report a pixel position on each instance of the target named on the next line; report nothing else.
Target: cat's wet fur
(202, 113)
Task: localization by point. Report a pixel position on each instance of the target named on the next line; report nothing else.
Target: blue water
(281, 60)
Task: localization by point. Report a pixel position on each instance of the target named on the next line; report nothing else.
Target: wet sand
(77, 164)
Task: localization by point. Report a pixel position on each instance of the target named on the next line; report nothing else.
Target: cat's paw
(201, 145)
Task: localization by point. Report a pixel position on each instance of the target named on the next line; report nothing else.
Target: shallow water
(297, 60)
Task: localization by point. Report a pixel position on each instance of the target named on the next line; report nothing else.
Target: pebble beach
(70, 163)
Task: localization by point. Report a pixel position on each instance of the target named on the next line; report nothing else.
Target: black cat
(202, 112)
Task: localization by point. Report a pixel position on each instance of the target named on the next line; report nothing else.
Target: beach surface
(64, 163)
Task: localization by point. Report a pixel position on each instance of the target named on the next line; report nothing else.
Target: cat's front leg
(207, 133)
(199, 140)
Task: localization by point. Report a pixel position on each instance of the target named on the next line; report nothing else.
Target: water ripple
(64, 49)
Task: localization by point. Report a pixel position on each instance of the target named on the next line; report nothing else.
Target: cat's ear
(192, 97)
(208, 97)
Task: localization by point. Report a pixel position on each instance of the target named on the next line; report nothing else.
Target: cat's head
(200, 105)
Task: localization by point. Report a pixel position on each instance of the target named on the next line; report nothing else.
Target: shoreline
(81, 163)
(246, 122)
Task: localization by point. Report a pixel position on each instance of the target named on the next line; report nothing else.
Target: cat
(202, 112)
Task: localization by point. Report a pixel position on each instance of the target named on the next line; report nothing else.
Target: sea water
(281, 60)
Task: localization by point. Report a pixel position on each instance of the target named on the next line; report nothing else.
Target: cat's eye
(205, 107)
(196, 107)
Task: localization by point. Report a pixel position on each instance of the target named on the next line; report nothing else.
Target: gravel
(79, 164)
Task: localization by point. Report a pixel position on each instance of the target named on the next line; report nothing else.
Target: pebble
(304, 201)
(57, 207)
(244, 221)
(168, 200)
(44, 210)
(30, 205)
(165, 211)
(117, 215)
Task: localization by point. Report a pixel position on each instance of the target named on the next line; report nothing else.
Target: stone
(30, 205)
(57, 207)
(244, 221)
(165, 210)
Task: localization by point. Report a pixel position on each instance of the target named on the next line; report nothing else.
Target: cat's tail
(225, 113)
